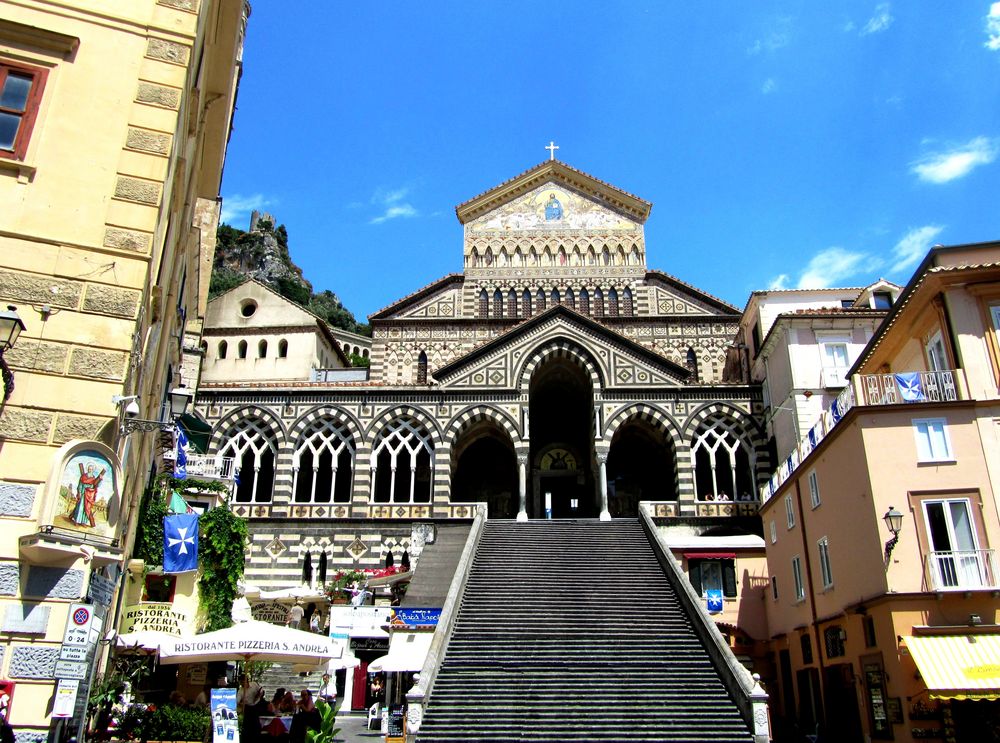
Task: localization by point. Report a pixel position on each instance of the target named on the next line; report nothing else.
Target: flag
(714, 600)
(178, 504)
(910, 387)
(181, 458)
(180, 543)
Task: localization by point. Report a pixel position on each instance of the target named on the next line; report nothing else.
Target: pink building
(880, 526)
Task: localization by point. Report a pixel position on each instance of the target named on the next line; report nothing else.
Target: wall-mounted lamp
(180, 398)
(894, 523)
(11, 326)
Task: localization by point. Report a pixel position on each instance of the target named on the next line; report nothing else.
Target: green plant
(222, 543)
(122, 671)
(342, 580)
(327, 732)
(252, 669)
(170, 722)
(149, 530)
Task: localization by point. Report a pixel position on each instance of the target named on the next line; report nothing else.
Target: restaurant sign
(415, 617)
(159, 617)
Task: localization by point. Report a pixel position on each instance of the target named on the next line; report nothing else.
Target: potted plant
(326, 732)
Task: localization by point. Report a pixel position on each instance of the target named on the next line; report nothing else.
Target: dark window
(628, 308)
(846, 304)
(526, 303)
(282, 349)
(713, 574)
(262, 350)
(242, 349)
(159, 588)
(834, 638)
(422, 368)
(598, 303)
(807, 649)
(570, 299)
(613, 302)
(755, 335)
(540, 301)
(883, 300)
(868, 623)
(512, 304)
(556, 299)
(497, 304)
(20, 96)
(223, 349)
(584, 302)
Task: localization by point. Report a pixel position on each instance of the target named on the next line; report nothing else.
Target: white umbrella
(149, 640)
(251, 640)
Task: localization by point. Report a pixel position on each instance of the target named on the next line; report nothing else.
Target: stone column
(522, 487)
(602, 463)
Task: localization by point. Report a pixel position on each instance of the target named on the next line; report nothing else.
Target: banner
(180, 543)
(415, 617)
(181, 458)
(714, 598)
(225, 727)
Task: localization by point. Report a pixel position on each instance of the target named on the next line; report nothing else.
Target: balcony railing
(963, 570)
(210, 467)
(903, 388)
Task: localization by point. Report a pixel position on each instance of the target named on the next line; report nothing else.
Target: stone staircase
(570, 631)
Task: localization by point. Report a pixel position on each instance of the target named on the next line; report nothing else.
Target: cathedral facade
(556, 376)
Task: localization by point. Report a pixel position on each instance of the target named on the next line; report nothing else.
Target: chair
(374, 715)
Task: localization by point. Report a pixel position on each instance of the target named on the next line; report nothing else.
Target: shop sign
(269, 611)
(415, 617)
(156, 617)
(373, 644)
(358, 621)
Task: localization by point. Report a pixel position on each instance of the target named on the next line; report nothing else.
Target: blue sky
(781, 144)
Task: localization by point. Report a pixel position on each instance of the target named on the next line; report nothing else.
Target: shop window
(20, 97)
(706, 575)
(159, 588)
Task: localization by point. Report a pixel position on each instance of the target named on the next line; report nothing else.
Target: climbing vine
(222, 540)
(149, 530)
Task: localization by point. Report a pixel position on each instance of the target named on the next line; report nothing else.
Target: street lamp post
(894, 523)
(11, 327)
(180, 398)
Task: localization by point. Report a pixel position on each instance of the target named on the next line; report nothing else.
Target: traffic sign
(71, 669)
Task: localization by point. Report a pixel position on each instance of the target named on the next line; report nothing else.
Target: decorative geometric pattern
(357, 548)
(275, 548)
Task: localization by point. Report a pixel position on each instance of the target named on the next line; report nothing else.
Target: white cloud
(393, 204)
(878, 22)
(993, 27)
(830, 267)
(776, 38)
(769, 86)
(778, 282)
(942, 167)
(914, 246)
(237, 208)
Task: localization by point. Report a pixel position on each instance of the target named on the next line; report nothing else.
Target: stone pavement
(354, 729)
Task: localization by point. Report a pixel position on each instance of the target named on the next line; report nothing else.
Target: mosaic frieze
(551, 206)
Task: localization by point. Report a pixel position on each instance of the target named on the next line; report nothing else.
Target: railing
(210, 466)
(351, 374)
(903, 388)
(962, 570)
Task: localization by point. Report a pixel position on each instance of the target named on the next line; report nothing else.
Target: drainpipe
(812, 601)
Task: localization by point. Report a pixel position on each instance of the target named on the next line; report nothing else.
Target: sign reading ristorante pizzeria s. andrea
(159, 617)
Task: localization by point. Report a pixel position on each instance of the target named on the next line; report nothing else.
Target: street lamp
(11, 326)
(180, 398)
(894, 523)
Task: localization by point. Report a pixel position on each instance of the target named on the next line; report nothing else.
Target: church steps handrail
(746, 692)
(417, 696)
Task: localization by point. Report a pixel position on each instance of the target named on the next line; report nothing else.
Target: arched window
(484, 304)
(262, 350)
(628, 308)
(497, 303)
(282, 349)
(488, 258)
(512, 304)
(322, 568)
(526, 303)
(401, 463)
(606, 257)
(723, 462)
(692, 364)
(540, 301)
(364, 353)
(598, 303)
(252, 444)
(613, 302)
(223, 349)
(323, 463)
(241, 350)
(570, 299)
(584, 302)
(556, 299)
(422, 368)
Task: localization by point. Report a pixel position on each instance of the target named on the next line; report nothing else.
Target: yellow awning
(958, 666)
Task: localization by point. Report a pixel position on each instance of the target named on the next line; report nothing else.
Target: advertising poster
(225, 724)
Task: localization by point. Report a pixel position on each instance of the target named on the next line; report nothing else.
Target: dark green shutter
(729, 577)
(694, 574)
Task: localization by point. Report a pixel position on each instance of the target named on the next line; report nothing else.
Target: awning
(963, 666)
(710, 555)
(407, 652)
(198, 431)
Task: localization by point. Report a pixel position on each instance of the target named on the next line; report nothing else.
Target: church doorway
(642, 465)
(561, 409)
(484, 470)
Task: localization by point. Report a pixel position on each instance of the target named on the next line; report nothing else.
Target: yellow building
(114, 120)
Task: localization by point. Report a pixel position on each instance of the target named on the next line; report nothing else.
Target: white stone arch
(560, 348)
(403, 446)
(724, 441)
(253, 446)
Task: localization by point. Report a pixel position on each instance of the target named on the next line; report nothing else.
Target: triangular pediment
(669, 295)
(619, 362)
(556, 175)
(440, 299)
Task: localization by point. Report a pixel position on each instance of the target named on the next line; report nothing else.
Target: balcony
(964, 570)
(206, 466)
(901, 388)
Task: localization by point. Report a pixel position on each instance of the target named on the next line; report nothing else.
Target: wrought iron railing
(962, 570)
(210, 466)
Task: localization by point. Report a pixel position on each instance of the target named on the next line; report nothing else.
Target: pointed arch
(422, 368)
(253, 445)
(402, 462)
(323, 462)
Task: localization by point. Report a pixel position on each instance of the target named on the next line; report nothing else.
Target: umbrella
(251, 640)
(148, 640)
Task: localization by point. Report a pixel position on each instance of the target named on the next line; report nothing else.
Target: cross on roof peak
(552, 149)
